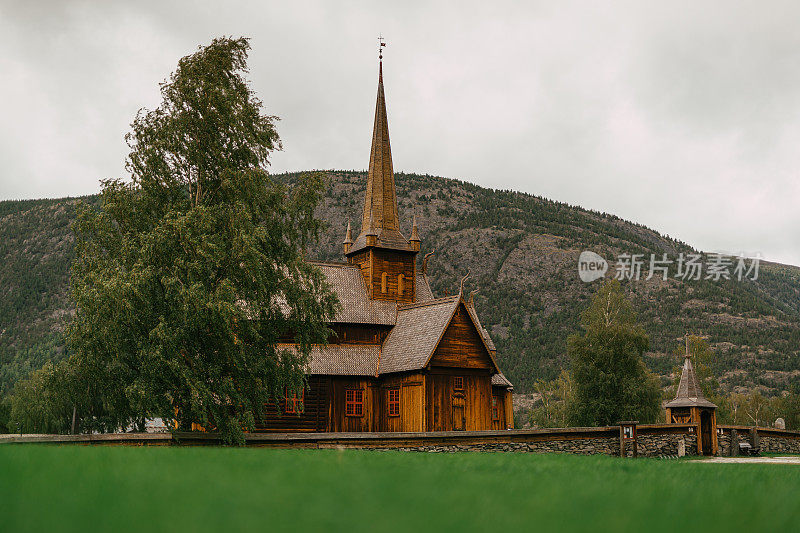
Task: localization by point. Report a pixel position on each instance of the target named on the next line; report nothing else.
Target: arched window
(384, 277)
(400, 284)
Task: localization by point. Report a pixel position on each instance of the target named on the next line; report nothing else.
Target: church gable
(462, 346)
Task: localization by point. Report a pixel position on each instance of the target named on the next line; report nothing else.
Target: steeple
(380, 202)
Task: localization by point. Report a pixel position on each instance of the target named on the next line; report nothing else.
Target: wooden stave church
(399, 359)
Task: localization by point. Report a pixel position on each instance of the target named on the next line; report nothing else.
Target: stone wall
(767, 440)
(779, 444)
(653, 440)
(665, 444)
(584, 446)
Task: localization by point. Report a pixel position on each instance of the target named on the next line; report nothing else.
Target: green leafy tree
(788, 407)
(611, 381)
(556, 397)
(188, 276)
(41, 403)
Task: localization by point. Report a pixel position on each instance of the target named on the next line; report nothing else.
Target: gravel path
(789, 460)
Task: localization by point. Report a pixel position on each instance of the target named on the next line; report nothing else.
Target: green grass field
(76, 488)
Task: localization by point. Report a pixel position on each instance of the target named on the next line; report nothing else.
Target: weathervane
(381, 44)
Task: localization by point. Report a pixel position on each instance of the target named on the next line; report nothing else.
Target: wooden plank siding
(358, 334)
(313, 418)
(506, 416)
(393, 263)
(339, 420)
(461, 345)
(444, 403)
(412, 403)
(429, 399)
(375, 262)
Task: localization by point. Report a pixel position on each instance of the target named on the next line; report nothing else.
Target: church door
(705, 432)
(459, 415)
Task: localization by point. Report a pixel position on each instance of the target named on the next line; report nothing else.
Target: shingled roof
(417, 332)
(341, 359)
(499, 380)
(357, 307)
(487, 340)
(689, 393)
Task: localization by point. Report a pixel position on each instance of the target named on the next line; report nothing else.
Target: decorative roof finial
(425, 261)
(472, 298)
(461, 287)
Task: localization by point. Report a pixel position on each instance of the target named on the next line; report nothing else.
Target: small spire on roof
(348, 236)
(414, 240)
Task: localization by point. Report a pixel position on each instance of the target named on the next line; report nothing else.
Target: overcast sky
(683, 116)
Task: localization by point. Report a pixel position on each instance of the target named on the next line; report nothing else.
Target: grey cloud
(681, 116)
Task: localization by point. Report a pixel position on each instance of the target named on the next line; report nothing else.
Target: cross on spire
(381, 44)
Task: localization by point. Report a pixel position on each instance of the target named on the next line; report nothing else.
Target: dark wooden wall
(313, 418)
(339, 421)
(358, 334)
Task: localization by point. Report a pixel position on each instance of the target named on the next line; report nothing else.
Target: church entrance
(706, 432)
(459, 416)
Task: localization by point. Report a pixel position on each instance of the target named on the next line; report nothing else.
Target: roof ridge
(435, 301)
(333, 263)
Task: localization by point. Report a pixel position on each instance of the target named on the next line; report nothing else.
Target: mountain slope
(521, 252)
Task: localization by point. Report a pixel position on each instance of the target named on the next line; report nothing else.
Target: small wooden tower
(691, 407)
(386, 257)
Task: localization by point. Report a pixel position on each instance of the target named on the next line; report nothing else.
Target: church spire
(380, 216)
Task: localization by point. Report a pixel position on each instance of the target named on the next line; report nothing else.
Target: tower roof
(689, 393)
(380, 202)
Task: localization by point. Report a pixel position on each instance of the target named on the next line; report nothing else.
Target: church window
(400, 284)
(495, 408)
(458, 383)
(354, 402)
(394, 402)
(294, 402)
(384, 276)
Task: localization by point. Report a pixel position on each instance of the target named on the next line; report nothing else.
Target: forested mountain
(521, 252)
